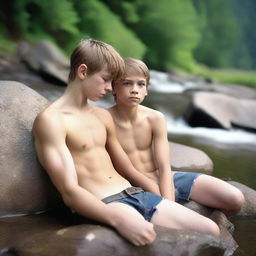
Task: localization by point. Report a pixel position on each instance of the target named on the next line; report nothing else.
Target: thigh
(126, 209)
(173, 215)
(211, 191)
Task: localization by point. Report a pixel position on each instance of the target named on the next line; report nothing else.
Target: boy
(77, 145)
(143, 135)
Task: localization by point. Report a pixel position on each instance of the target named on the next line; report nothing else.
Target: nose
(134, 89)
(109, 86)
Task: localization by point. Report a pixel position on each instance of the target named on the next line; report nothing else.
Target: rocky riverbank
(33, 219)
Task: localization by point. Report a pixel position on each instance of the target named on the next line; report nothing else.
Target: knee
(213, 229)
(236, 201)
(209, 227)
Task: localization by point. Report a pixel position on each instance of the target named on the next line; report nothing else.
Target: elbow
(67, 201)
(68, 197)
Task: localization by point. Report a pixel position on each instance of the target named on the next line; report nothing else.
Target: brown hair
(135, 66)
(96, 55)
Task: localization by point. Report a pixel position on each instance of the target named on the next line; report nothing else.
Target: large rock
(249, 206)
(234, 90)
(45, 58)
(48, 236)
(221, 111)
(24, 186)
(188, 159)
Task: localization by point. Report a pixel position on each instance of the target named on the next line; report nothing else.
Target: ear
(82, 71)
(146, 93)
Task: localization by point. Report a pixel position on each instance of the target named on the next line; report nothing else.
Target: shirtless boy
(77, 145)
(142, 133)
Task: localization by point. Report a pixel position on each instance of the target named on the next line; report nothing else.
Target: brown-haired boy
(142, 133)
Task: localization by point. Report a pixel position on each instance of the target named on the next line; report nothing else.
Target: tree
(97, 21)
(169, 29)
(220, 32)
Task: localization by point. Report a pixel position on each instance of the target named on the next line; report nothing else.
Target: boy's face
(131, 90)
(97, 85)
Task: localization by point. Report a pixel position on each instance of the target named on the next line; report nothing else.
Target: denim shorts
(144, 202)
(183, 183)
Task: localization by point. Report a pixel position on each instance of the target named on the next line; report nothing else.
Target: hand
(136, 230)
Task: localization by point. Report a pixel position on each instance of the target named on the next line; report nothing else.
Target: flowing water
(232, 152)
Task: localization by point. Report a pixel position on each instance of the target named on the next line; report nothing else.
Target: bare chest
(135, 137)
(85, 133)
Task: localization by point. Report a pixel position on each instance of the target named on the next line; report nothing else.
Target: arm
(122, 162)
(162, 156)
(55, 157)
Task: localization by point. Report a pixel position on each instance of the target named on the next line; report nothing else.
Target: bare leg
(174, 215)
(131, 225)
(216, 193)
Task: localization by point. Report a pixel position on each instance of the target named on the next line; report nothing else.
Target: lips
(134, 98)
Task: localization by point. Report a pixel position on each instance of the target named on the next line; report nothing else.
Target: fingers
(146, 237)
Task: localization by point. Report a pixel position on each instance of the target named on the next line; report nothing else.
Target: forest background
(215, 39)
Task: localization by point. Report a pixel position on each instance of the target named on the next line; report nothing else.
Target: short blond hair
(96, 55)
(136, 66)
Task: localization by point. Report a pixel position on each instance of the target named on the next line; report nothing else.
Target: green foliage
(97, 21)
(219, 33)
(245, 52)
(126, 10)
(166, 34)
(169, 30)
(33, 20)
(14, 17)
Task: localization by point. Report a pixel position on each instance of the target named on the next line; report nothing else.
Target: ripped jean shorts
(183, 183)
(144, 202)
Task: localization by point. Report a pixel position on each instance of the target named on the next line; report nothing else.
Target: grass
(229, 76)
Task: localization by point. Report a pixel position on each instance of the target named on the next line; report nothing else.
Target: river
(232, 151)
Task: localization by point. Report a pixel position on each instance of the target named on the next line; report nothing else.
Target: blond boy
(142, 133)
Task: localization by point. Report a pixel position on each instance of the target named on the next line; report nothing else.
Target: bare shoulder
(47, 122)
(104, 115)
(152, 115)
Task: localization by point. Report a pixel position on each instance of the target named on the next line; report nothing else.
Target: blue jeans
(183, 183)
(144, 202)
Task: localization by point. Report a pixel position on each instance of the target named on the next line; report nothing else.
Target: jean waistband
(123, 194)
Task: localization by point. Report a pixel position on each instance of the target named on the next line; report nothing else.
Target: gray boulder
(249, 206)
(188, 159)
(234, 90)
(221, 111)
(45, 58)
(24, 186)
(48, 236)
(87, 240)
